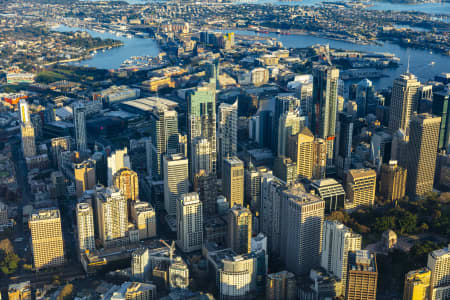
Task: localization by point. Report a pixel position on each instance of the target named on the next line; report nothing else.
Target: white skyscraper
(289, 124)
(117, 160)
(26, 130)
(227, 130)
(112, 217)
(85, 227)
(439, 264)
(189, 222)
(201, 156)
(338, 240)
(176, 180)
(301, 230)
(24, 111)
(79, 123)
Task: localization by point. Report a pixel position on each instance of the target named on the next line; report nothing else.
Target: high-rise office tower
(404, 101)
(233, 180)
(260, 128)
(36, 121)
(140, 264)
(301, 230)
(285, 169)
(365, 98)
(189, 222)
(380, 148)
(331, 192)
(46, 238)
(237, 277)
(360, 187)
(439, 264)
(305, 94)
(201, 156)
(325, 93)
(338, 240)
(441, 108)
(421, 154)
(127, 181)
(58, 145)
(290, 123)
(270, 212)
(178, 274)
(283, 104)
(240, 229)
(85, 227)
(79, 123)
(253, 185)
(417, 285)
(201, 118)
(84, 174)
(362, 276)
(28, 140)
(392, 181)
(112, 217)
(144, 217)
(280, 286)
(206, 187)
(164, 136)
(301, 150)
(118, 159)
(227, 130)
(320, 158)
(176, 180)
(344, 135)
(24, 112)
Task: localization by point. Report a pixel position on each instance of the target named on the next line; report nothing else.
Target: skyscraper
(283, 104)
(118, 159)
(360, 187)
(227, 130)
(58, 145)
(320, 158)
(301, 150)
(127, 181)
(201, 118)
(392, 181)
(417, 285)
(79, 123)
(164, 136)
(285, 169)
(325, 93)
(404, 101)
(233, 180)
(28, 140)
(112, 217)
(85, 227)
(24, 113)
(301, 216)
(84, 174)
(344, 137)
(421, 154)
(176, 180)
(331, 192)
(362, 276)
(46, 238)
(365, 98)
(144, 217)
(441, 108)
(201, 156)
(290, 123)
(239, 229)
(439, 264)
(280, 286)
(189, 222)
(206, 187)
(338, 240)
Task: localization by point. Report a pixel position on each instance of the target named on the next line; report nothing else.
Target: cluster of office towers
(311, 137)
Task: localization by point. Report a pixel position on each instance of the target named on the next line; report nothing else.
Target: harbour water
(113, 58)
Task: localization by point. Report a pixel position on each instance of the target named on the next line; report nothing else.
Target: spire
(407, 68)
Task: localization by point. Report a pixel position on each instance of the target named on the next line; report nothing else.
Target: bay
(113, 58)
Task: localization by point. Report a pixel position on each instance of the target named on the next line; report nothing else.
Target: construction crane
(171, 249)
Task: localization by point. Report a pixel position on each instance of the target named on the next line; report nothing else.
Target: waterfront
(113, 58)
(419, 59)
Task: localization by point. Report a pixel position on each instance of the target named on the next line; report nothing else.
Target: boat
(432, 63)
